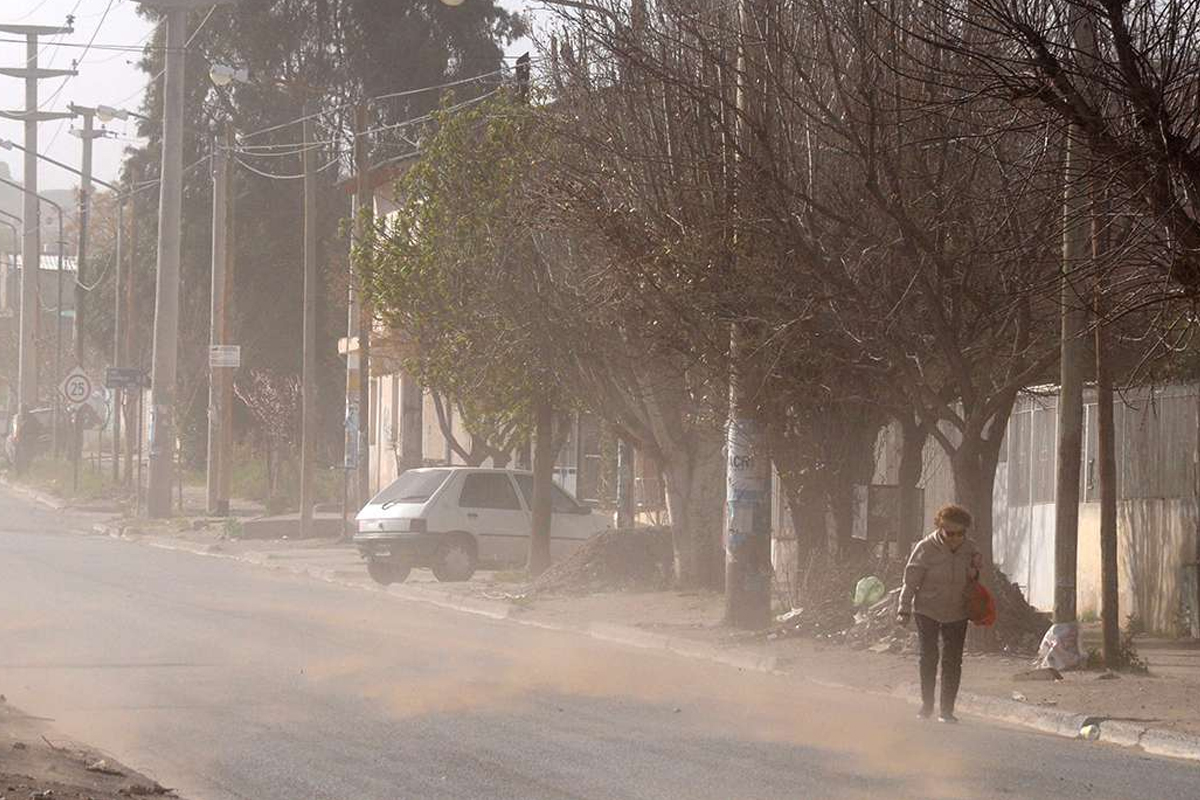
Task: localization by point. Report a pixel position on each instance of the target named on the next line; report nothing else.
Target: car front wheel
(455, 560)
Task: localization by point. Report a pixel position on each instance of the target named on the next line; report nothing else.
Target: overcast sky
(106, 77)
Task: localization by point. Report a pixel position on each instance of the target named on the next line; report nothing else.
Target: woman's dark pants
(953, 635)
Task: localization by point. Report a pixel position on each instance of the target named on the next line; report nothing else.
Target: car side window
(483, 490)
(560, 503)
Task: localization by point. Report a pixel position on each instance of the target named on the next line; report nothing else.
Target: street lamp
(108, 114)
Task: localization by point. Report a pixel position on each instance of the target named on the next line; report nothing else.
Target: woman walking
(942, 567)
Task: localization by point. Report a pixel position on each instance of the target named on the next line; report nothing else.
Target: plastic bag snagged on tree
(1060, 647)
(868, 591)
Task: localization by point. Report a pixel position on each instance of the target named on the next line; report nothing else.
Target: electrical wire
(162, 71)
(274, 176)
(79, 60)
(389, 96)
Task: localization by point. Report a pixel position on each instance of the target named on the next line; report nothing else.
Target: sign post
(76, 389)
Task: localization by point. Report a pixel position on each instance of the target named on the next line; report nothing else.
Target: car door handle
(472, 515)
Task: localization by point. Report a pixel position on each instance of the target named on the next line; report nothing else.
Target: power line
(67, 79)
(276, 177)
(160, 73)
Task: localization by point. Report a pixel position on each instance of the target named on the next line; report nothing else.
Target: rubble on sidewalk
(827, 610)
(622, 559)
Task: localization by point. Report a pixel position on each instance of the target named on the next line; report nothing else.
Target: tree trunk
(695, 479)
(974, 476)
(912, 465)
(543, 485)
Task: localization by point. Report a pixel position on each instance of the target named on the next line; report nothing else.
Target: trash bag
(868, 591)
(1060, 647)
(981, 606)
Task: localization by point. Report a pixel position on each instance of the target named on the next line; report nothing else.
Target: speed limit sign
(76, 388)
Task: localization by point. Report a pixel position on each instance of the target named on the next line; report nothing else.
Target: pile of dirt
(623, 559)
(34, 765)
(826, 611)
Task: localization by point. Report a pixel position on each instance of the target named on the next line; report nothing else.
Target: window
(488, 490)
(560, 502)
(412, 487)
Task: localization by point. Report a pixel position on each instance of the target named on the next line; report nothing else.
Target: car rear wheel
(386, 572)
(455, 560)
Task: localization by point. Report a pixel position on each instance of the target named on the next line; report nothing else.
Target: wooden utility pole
(124, 302)
(308, 384)
(625, 499)
(117, 360)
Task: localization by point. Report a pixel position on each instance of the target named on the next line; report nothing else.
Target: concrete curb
(689, 648)
(40, 498)
(998, 709)
(486, 608)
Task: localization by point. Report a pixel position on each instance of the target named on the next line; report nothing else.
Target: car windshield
(412, 487)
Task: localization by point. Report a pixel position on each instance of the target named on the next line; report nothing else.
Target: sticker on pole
(76, 388)
(224, 355)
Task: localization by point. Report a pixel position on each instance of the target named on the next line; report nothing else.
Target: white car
(452, 518)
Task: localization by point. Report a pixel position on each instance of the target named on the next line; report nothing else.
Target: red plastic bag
(981, 606)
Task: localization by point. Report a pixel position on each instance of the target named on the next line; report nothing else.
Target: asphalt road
(229, 681)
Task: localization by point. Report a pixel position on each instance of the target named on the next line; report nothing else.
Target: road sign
(125, 378)
(76, 388)
(224, 355)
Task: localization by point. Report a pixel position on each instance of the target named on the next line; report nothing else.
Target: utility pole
(308, 411)
(1073, 310)
(625, 502)
(166, 302)
(1110, 612)
(220, 376)
(88, 134)
(118, 287)
(747, 534)
(356, 461)
(166, 290)
(27, 378)
(124, 334)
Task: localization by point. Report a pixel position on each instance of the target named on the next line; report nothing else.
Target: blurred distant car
(451, 519)
(45, 420)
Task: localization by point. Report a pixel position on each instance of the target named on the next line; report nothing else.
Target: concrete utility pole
(220, 384)
(88, 134)
(166, 294)
(31, 249)
(58, 304)
(1076, 253)
(747, 534)
(358, 334)
(308, 387)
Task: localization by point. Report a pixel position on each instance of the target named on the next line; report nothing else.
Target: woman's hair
(953, 515)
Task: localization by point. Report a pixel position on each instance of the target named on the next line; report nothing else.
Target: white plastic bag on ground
(1060, 647)
(868, 591)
